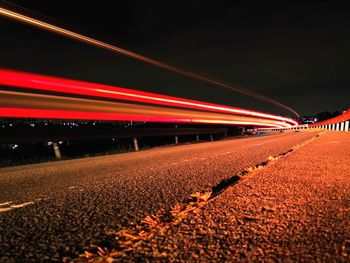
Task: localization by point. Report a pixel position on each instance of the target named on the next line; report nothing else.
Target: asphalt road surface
(55, 210)
(294, 209)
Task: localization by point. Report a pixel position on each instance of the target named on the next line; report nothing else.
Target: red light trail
(70, 34)
(53, 84)
(24, 104)
(62, 114)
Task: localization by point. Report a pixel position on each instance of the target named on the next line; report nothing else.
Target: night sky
(296, 53)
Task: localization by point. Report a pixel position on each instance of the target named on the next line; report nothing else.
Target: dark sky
(296, 53)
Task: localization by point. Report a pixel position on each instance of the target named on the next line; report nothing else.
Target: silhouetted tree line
(327, 115)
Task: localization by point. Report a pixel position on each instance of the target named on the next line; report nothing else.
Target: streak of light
(6, 203)
(76, 115)
(22, 205)
(28, 105)
(40, 82)
(64, 32)
(80, 115)
(240, 123)
(6, 209)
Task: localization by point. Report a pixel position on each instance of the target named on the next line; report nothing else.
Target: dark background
(296, 53)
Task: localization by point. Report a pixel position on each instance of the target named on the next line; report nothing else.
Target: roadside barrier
(339, 123)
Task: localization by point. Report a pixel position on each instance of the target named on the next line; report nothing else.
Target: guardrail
(299, 127)
(55, 134)
(340, 126)
(339, 123)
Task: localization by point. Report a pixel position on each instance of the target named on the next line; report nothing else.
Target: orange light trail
(70, 34)
(119, 110)
(54, 84)
(78, 115)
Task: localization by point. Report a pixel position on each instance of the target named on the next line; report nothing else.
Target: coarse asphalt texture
(61, 209)
(295, 209)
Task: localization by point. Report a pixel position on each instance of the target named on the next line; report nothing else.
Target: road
(294, 209)
(60, 209)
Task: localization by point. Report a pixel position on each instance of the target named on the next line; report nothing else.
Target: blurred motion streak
(96, 109)
(213, 113)
(64, 32)
(62, 114)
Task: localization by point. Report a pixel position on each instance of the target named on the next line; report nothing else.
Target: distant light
(14, 146)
